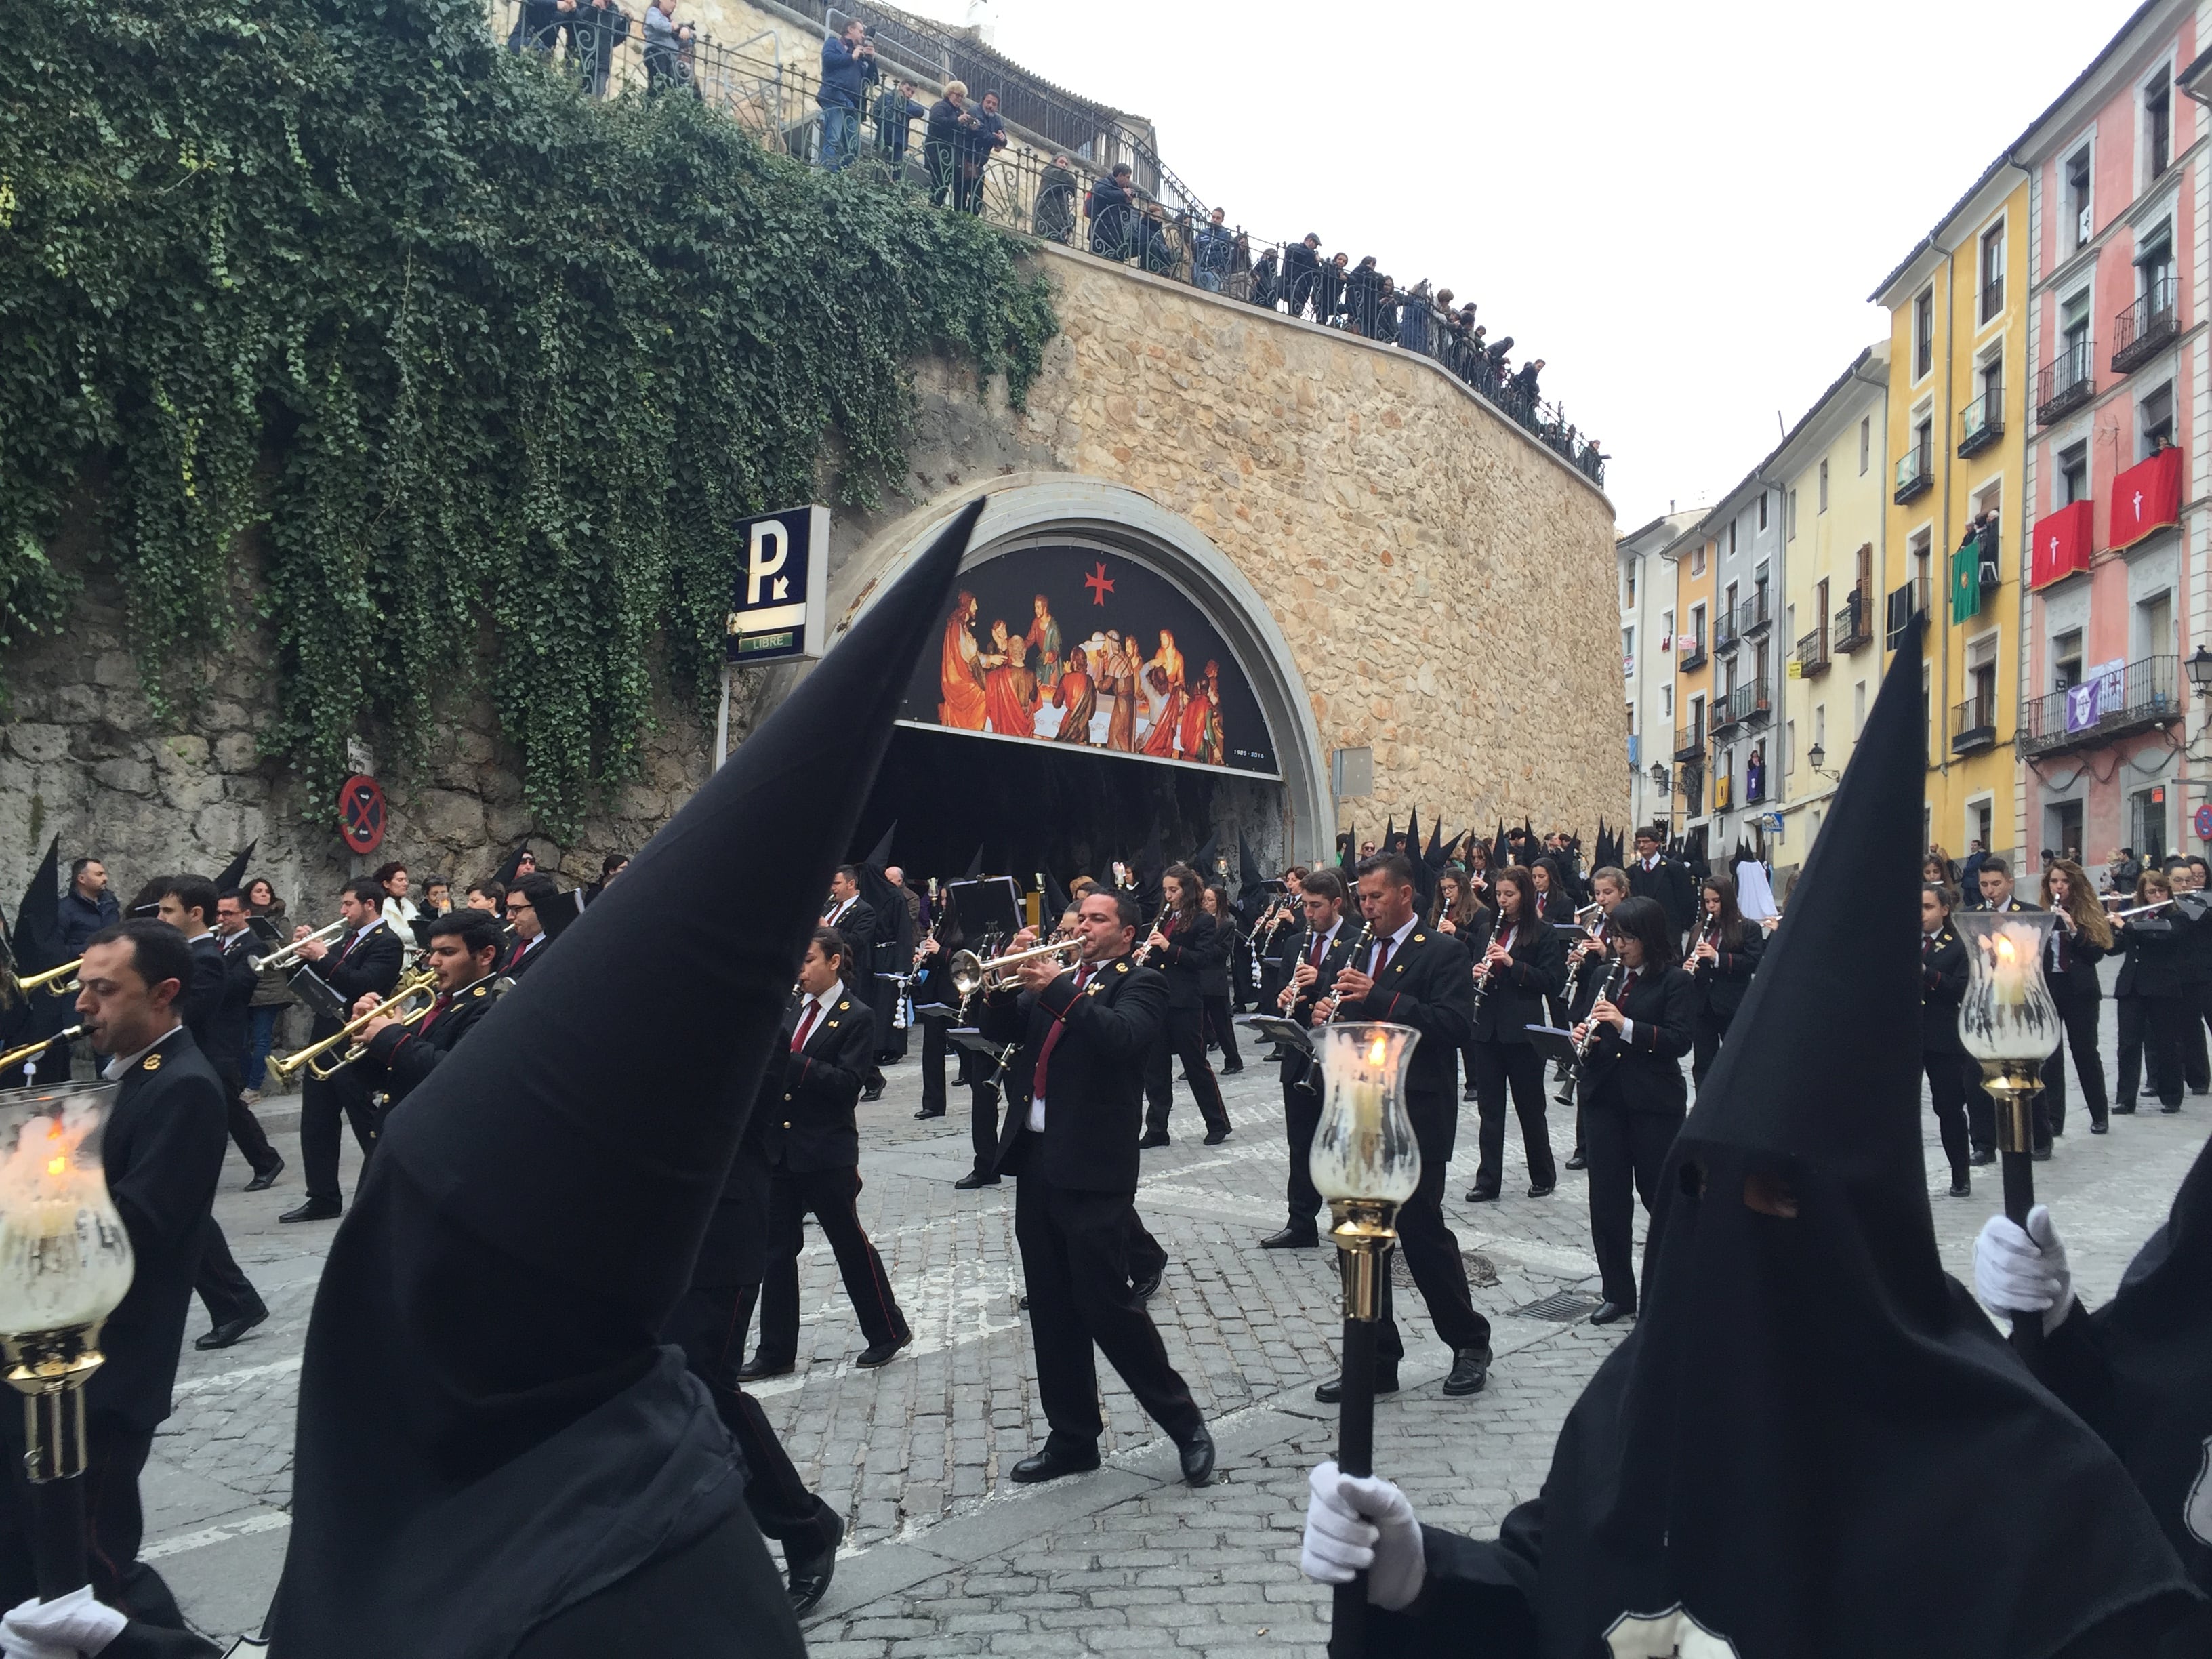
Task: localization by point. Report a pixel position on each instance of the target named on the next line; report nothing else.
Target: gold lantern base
(1363, 1234)
(50, 1368)
(2013, 1085)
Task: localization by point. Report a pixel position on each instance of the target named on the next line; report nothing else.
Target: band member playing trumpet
(1070, 1141)
(399, 1053)
(365, 959)
(1320, 955)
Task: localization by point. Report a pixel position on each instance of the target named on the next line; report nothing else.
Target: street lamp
(2198, 666)
(1816, 757)
(1366, 1163)
(2009, 1023)
(66, 1263)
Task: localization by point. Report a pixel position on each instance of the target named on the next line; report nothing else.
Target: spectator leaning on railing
(1210, 252)
(976, 144)
(665, 43)
(1302, 271)
(896, 111)
(950, 118)
(1111, 209)
(1052, 217)
(848, 64)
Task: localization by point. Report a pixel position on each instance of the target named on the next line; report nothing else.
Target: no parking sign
(2204, 822)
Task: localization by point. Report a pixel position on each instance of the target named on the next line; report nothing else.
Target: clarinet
(1143, 953)
(1482, 990)
(1360, 941)
(1612, 979)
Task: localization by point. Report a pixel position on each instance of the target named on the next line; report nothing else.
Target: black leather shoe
(1607, 1312)
(1545, 1190)
(1962, 1184)
(810, 1574)
(1577, 1161)
(922, 1117)
(230, 1330)
(315, 1210)
(2169, 1111)
(1333, 1390)
(1232, 1071)
(1470, 1371)
(1147, 1288)
(2042, 1154)
(975, 1178)
(1153, 1138)
(264, 1179)
(2099, 1127)
(1476, 1195)
(1982, 1160)
(879, 1354)
(873, 1091)
(2126, 1108)
(760, 1366)
(1197, 1457)
(1050, 1465)
(1292, 1239)
(1468, 1093)
(1215, 1137)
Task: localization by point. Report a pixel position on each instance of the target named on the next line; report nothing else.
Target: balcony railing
(1908, 606)
(1727, 713)
(2065, 383)
(1693, 655)
(2145, 328)
(1758, 700)
(1974, 723)
(1981, 423)
(2147, 693)
(1690, 741)
(1853, 624)
(1992, 298)
(1812, 653)
(1724, 628)
(1916, 474)
(1752, 618)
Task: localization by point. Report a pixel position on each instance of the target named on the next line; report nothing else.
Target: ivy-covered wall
(334, 329)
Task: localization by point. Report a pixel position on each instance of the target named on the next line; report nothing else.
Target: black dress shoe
(2170, 1111)
(1470, 1370)
(1292, 1239)
(315, 1210)
(1146, 1288)
(1153, 1138)
(1232, 1071)
(1333, 1390)
(873, 1091)
(1543, 1191)
(1197, 1457)
(230, 1330)
(760, 1366)
(1607, 1312)
(264, 1179)
(1476, 1195)
(879, 1354)
(810, 1574)
(2042, 1154)
(2099, 1127)
(2126, 1108)
(921, 1117)
(1050, 1465)
(1983, 1159)
(1962, 1184)
(1577, 1161)
(1215, 1137)
(1468, 1093)
(975, 1178)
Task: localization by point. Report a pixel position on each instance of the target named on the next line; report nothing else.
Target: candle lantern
(66, 1263)
(1365, 1162)
(2009, 1023)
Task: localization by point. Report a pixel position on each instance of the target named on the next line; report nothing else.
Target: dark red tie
(1320, 944)
(438, 1005)
(1052, 1037)
(805, 1025)
(1382, 956)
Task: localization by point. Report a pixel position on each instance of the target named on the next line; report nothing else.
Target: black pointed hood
(489, 1429)
(1434, 856)
(974, 870)
(505, 874)
(1055, 900)
(233, 873)
(1814, 1442)
(37, 941)
(1202, 859)
(880, 856)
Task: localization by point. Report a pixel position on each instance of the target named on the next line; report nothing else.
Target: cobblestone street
(944, 1555)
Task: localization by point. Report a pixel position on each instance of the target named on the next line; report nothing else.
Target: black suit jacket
(1721, 984)
(225, 1041)
(409, 1056)
(2069, 966)
(1194, 955)
(858, 928)
(518, 961)
(1515, 1000)
(803, 1121)
(366, 962)
(1644, 1074)
(1428, 985)
(1943, 987)
(163, 1150)
(1669, 883)
(201, 1002)
(1094, 1087)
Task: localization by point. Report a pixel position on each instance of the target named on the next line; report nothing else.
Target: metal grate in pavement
(1481, 1271)
(1565, 1306)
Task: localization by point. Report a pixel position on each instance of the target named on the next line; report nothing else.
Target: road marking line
(178, 1543)
(223, 1379)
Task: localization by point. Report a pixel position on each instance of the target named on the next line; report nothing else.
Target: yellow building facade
(1957, 423)
(1833, 473)
(1694, 558)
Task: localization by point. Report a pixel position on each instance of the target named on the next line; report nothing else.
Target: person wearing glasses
(523, 902)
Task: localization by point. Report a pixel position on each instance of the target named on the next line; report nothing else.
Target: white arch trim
(1024, 507)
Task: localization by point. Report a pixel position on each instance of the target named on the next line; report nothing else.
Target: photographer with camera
(848, 64)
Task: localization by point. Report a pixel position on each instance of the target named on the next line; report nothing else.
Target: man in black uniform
(1317, 955)
(366, 959)
(464, 946)
(218, 981)
(242, 951)
(1655, 875)
(1412, 976)
(855, 918)
(163, 1151)
(804, 1126)
(1994, 879)
(1070, 1141)
(1942, 1056)
(528, 904)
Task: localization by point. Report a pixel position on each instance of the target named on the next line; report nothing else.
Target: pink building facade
(2116, 475)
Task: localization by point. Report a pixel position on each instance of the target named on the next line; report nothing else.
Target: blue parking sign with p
(778, 602)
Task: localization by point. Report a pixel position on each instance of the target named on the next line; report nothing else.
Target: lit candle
(2008, 976)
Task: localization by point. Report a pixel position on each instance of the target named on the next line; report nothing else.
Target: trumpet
(971, 972)
(16, 1057)
(66, 973)
(409, 985)
(289, 956)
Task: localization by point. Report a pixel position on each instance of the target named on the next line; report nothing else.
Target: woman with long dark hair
(1631, 1095)
(1213, 983)
(2153, 992)
(1184, 945)
(1462, 914)
(272, 992)
(1721, 963)
(2082, 937)
(1523, 964)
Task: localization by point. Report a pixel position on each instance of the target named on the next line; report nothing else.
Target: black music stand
(1287, 1035)
(1551, 1042)
(983, 908)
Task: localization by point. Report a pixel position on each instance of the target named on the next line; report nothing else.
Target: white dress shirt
(116, 1068)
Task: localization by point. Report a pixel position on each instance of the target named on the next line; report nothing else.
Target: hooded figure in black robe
(1813, 1445)
(496, 1456)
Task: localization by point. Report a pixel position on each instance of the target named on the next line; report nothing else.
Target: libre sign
(776, 604)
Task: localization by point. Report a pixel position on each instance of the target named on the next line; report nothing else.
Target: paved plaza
(944, 1554)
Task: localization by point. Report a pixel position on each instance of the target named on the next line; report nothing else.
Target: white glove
(60, 1629)
(1358, 1522)
(2023, 1272)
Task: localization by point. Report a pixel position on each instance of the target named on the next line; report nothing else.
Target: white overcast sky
(1681, 207)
